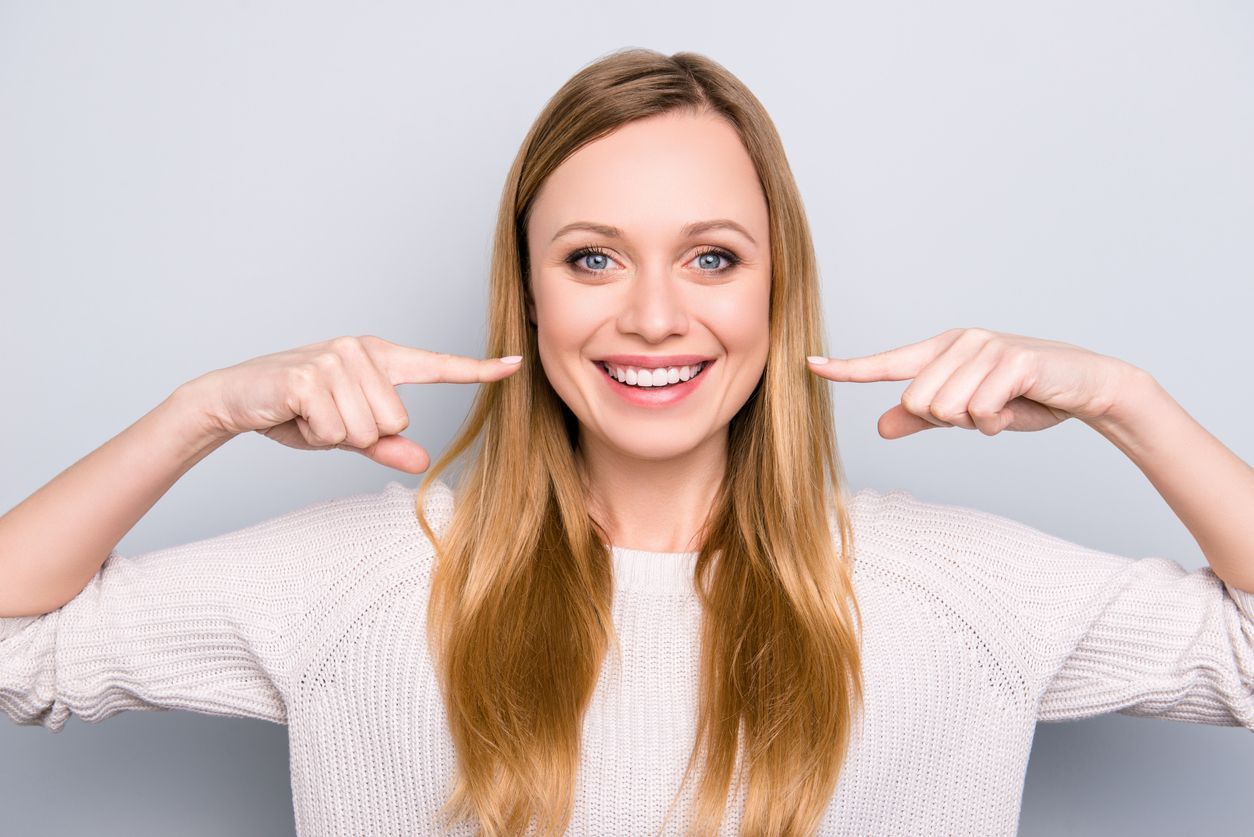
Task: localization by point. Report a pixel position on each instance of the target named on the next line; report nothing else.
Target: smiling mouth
(634, 379)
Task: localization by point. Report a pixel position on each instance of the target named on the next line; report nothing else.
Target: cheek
(742, 324)
(565, 317)
(741, 321)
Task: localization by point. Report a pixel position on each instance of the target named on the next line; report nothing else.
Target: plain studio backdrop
(186, 186)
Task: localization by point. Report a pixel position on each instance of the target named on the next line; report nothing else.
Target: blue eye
(706, 260)
(600, 256)
(588, 252)
(704, 256)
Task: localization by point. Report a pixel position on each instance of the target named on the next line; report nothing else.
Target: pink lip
(654, 361)
(651, 397)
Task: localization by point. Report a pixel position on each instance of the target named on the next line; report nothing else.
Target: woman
(655, 474)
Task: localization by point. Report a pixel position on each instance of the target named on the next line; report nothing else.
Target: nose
(654, 307)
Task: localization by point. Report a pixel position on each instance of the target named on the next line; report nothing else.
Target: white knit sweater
(976, 627)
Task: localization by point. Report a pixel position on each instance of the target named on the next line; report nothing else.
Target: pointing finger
(898, 364)
(411, 365)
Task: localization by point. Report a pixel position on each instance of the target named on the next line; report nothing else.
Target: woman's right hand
(339, 393)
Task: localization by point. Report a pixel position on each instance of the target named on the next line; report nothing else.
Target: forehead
(653, 176)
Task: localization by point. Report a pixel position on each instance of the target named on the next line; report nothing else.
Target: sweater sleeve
(206, 626)
(1096, 632)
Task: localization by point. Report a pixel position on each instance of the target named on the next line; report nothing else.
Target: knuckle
(362, 439)
(981, 412)
(391, 425)
(370, 343)
(912, 402)
(1017, 356)
(328, 361)
(345, 343)
(352, 349)
(313, 435)
(312, 432)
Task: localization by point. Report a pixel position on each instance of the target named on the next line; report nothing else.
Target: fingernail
(817, 360)
(511, 359)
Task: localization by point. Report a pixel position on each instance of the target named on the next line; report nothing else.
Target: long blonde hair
(519, 616)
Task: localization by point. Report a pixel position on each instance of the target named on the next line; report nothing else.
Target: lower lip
(653, 396)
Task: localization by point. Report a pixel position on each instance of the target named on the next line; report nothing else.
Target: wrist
(1139, 400)
(191, 414)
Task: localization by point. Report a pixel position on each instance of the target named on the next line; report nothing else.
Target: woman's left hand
(987, 380)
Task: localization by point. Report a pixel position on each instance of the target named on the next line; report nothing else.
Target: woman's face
(642, 291)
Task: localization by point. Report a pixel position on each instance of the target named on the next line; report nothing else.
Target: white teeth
(653, 377)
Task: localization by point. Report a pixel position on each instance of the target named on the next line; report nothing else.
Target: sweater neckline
(658, 572)
(634, 569)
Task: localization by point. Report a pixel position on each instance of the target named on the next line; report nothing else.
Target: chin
(655, 449)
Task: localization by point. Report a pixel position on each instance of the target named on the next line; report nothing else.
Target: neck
(656, 505)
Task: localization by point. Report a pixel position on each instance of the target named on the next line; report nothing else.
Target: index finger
(900, 364)
(411, 365)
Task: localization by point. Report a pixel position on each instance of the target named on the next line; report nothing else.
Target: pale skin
(338, 393)
(652, 474)
(652, 289)
(975, 378)
(658, 476)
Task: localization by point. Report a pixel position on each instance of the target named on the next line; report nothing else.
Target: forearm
(54, 541)
(1209, 487)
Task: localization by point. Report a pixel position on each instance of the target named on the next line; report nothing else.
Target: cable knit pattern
(976, 627)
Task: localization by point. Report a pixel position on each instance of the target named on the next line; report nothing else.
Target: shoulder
(980, 564)
(371, 550)
(390, 509)
(947, 577)
(348, 518)
(391, 513)
(950, 551)
(361, 538)
(911, 523)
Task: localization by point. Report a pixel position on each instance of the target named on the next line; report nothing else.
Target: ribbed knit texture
(976, 627)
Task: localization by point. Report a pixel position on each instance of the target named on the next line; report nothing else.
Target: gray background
(185, 186)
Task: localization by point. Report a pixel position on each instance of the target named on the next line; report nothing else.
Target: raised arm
(991, 381)
(338, 393)
(1209, 487)
(55, 541)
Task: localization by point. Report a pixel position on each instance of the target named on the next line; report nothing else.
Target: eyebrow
(690, 230)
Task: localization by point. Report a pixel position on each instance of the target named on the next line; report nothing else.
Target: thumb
(396, 452)
(899, 422)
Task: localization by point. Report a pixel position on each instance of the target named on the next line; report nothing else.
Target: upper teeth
(653, 377)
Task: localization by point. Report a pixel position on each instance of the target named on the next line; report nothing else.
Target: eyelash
(583, 252)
